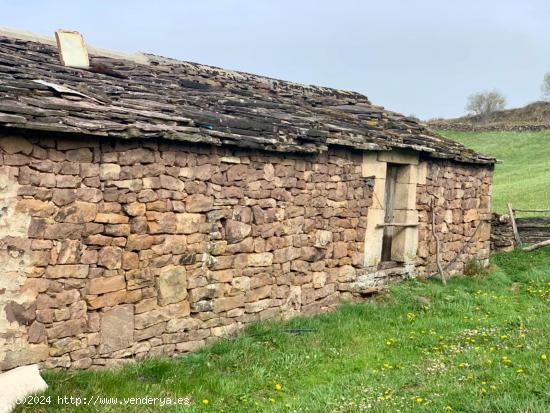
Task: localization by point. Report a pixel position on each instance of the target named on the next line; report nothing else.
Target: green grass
(524, 176)
(476, 345)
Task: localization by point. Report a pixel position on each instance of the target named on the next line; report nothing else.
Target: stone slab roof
(147, 96)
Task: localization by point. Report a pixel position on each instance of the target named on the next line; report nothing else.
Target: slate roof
(147, 96)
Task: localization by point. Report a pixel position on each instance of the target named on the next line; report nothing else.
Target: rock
(172, 285)
(347, 273)
(319, 279)
(134, 209)
(69, 328)
(63, 197)
(117, 328)
(257, 306)
(15, 144)
(80, 155)
(312, 254)
(236, 231)
(134, 156)
(67, 271)
(137, 242)
(35, 207)
(62, 231)
(103, 285)
(37, 333)
(110, 257)
(69, 252)
(471, 215)
(64, 346)
(199, 203)
(323, 238)
(107, 299)
(238, 172)
(269, 172)
(228, 303)
(77, 213)
(110, 218)
(19, 383)
(262, 259)
(171, 183)
(188, 223)
(340, 249)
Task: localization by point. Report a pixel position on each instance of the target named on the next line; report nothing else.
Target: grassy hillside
(524, 176)
(536, 113)
(477, 345)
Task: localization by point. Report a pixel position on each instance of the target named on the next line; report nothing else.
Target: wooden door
(389, 195)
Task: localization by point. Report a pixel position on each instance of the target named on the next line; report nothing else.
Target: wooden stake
(514, 226)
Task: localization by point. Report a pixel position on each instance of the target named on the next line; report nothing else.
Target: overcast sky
(421, 57)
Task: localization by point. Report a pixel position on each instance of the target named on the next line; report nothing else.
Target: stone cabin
(150, 205)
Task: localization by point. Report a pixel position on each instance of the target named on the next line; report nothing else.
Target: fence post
(514, 227)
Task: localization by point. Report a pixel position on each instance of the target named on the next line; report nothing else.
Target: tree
(485, 103)
(546, 87)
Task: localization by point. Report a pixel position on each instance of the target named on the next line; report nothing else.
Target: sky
(417, 57)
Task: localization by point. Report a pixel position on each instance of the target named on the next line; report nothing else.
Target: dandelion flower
(205, 401)
(278, 387)
(519, 371)
(543, 357)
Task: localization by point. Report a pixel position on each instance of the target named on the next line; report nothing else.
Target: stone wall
(118, 250)
(502, 234)
(113, 251)
(462, 195)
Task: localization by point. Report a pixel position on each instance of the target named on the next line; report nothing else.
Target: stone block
(172, 284)
(406, 157)
(103, 285)
(236, 231)
(110, 257)
(372, 167)
(117, 328)
(67, 271)
(199, 203)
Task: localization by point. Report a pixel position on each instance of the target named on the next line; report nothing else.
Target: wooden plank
(396, 224)
(537, 246)
(514, 227)
(533, 220)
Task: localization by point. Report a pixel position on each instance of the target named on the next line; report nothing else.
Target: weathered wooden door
(389, 196)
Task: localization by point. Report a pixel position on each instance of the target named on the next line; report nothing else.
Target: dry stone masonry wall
(462, 196)
(116, 250)
(120, 250)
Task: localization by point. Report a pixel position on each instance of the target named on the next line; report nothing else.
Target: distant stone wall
(462, 195)
(470, 127)
(113, 251)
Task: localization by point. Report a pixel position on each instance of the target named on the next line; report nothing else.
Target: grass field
(478, 345)
(524, 176)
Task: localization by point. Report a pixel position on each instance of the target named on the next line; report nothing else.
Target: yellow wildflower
(205, 401)
(278, 387)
